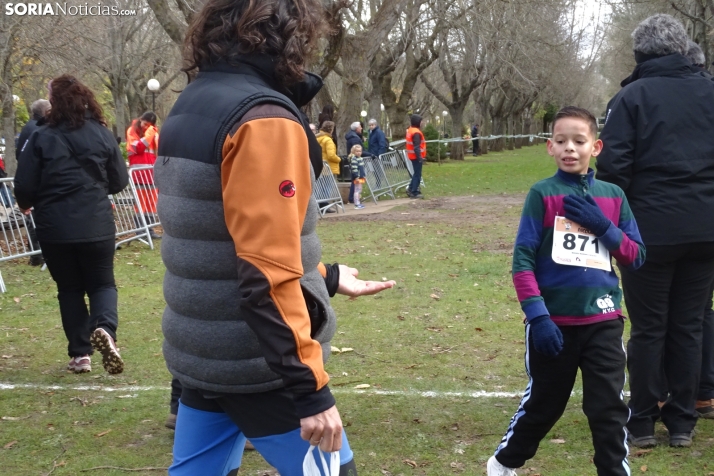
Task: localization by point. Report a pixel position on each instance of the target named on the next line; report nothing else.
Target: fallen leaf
(401, 318)
(16, 299)
(435, 296)
(454, 275)
(641, 453)
(643, 468)
(127, 396)
(475, 284)
(347, 349)
(478, 329)
(14, 418)
(411, 463)
(558, 441)
(455, 427)
(362, 385)
(10, 445)
(335, 350)
(7, 356)
(99, 435)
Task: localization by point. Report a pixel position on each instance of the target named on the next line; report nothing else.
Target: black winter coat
(352, 138)
(66, 175)
(25, 134)
(659, 148)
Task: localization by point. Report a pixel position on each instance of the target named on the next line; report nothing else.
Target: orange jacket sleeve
(266, 190)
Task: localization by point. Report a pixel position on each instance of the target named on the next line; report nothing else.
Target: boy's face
(573, 144)
(358, 151)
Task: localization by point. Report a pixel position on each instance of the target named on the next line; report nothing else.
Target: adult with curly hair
(248, 321)
(659, 148)
(67, 168)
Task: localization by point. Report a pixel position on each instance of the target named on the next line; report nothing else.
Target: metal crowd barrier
(326, 191)
(395, 169)
(410, 167)
(134, 215)
(18, 239)
(377, 181)
(135, 207)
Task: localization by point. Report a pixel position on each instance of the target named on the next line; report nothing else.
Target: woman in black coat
(68, 167)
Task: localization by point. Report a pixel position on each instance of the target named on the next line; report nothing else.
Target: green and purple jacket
(572, 295)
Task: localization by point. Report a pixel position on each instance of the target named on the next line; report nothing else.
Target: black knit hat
(415, 120)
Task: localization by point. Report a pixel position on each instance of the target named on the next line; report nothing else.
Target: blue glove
(547, 338)
(586, 212)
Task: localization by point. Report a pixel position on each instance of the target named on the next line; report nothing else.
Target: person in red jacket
(416, 151)
(142, 141)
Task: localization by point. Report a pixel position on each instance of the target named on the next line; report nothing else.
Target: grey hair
(660, 35)
(39, 108)
(354, 126)
(695, 53)
(372, 121)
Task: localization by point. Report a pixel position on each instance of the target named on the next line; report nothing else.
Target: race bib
(575, 245)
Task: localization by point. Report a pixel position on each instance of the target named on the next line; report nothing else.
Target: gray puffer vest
(207, 344)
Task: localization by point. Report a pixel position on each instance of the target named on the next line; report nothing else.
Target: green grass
(436, 331)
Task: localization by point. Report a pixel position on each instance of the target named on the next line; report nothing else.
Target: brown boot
(249, 446)
(170, 422)
(705, 408)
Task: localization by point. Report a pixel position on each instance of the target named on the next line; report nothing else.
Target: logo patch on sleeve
(287, 188)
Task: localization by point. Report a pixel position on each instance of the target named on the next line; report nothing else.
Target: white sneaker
(494, 468)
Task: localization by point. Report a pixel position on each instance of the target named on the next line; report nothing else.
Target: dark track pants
(706, 376)
(665, 300)
(416, 178)
(596, 349)
(79, 269)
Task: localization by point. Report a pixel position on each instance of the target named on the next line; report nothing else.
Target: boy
(570, 226)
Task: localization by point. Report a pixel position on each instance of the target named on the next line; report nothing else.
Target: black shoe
(680, 440)
(36, 260)
(154, 235)
(648, 441)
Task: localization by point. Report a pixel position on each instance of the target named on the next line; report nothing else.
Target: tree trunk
(8, 130)
(457, 117)
(498, 126)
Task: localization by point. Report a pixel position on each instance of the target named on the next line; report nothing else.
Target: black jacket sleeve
(416, 139)
(117, 175)
(332, 278)
(28, 174)
(619, 137)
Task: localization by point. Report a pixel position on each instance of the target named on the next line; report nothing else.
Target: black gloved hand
(547, 338)
(587, 213)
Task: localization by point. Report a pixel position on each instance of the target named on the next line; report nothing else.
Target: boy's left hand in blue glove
(586, 212)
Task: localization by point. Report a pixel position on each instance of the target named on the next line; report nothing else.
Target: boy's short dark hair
(578, 113)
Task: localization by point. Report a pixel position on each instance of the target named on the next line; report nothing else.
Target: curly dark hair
(285, 29)
(70, 101)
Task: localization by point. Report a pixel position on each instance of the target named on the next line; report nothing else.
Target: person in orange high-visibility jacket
(416, 152)
(141, 144)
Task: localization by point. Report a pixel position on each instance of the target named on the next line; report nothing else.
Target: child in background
(570, 228)
(358, 174)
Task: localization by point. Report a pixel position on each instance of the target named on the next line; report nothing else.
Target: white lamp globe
(153, 85)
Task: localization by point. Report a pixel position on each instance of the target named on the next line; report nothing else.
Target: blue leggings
(210, 444)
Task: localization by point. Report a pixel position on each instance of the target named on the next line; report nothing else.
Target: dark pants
(665, 300)
(351, 198)
(475, 148)
(79, 269)
(175, 395)
(706, 378)
(598, 351)
(416, 178)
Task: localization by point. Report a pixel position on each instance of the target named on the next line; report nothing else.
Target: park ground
(427, 375)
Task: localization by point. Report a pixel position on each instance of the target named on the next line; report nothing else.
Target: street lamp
(444, 113)
(153, 86)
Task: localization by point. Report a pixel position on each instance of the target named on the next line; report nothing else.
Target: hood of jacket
(670, 65)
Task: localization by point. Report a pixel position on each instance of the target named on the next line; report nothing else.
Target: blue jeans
(416, 178)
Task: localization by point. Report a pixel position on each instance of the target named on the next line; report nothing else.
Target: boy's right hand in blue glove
(547, 338)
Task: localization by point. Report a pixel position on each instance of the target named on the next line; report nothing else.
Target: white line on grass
(343, 391)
